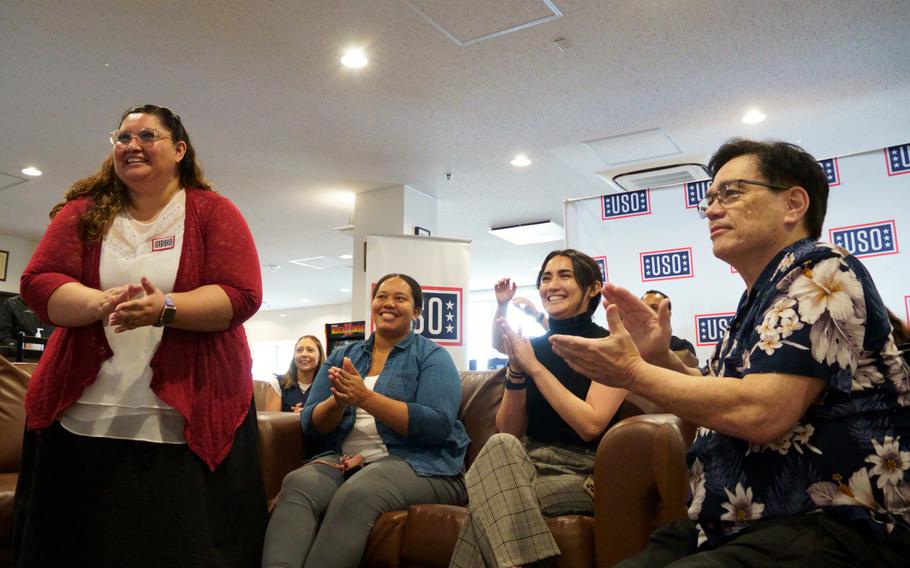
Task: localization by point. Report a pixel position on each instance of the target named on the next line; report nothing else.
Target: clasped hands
(518, 349)
(637, 335)
(118, 308)
(347, 385)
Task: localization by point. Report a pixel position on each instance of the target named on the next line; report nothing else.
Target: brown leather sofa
(639, 475)
(13, 382)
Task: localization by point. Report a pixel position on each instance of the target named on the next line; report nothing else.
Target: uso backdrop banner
(654, 239)
(442, 267)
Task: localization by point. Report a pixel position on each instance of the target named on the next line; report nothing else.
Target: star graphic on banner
(449, 329)
(449, 316)
(449, 305)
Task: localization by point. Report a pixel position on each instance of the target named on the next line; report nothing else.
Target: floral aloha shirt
(814, 311)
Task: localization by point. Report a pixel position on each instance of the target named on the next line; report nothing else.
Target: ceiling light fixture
(345, 290)
(754, 116)
(530, 233)
(345, 256)
(354, 58)
(521, 161)
(31, 171)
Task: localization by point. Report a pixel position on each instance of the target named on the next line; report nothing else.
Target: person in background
(559, 413)
(683, 349)
(17, 320)
(388, 408)
(505, 294)
(296, 382)
(141, 441)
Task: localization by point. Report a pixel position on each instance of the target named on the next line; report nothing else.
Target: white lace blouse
(120, 403)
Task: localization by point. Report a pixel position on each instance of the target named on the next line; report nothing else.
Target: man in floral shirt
(802, 457)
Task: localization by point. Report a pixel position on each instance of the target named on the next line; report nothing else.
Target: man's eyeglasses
(728, 192)
(146, 137)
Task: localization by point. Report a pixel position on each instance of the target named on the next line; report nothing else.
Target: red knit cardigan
(206, 376)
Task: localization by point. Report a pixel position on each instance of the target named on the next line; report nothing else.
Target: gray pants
(321, 520)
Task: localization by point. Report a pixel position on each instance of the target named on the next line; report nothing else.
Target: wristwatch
(168, 312)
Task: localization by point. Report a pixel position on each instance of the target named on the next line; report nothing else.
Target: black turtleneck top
(544, 424)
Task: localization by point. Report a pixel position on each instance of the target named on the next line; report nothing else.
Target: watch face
(167, 316)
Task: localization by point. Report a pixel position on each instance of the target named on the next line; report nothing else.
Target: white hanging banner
(655, 239)
(442, 268)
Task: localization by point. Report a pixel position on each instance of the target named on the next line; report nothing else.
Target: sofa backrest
(481, 392)
(13, 383)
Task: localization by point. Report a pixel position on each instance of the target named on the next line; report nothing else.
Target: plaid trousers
(511, 488)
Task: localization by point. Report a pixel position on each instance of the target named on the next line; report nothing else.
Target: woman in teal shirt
(388, 406)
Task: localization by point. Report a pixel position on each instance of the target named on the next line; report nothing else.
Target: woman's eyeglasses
(146, 137)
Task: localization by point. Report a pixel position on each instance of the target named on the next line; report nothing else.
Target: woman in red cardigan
(141, 446)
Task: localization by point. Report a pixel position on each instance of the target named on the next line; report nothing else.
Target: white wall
(272, 334)
(20, 251)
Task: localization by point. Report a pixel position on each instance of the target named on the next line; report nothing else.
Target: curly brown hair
(109, 195)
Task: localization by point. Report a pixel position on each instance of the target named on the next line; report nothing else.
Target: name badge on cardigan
(163, 243)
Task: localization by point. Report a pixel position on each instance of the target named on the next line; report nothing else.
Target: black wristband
(515, 386)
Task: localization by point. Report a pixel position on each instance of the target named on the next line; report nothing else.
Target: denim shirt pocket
(398, 384)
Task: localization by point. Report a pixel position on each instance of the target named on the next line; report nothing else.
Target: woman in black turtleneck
(512, 485)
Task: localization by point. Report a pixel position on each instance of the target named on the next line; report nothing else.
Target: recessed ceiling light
(754, 116)
(345, 290)
(354, 58)
(282, 315)
(304, 300)
(520, 161)
(345, 256)
(31, 171)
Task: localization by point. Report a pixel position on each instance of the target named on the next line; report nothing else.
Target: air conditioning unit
(654, 176)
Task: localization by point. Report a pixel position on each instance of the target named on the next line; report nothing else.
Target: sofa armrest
(280, 448)
(640, 484)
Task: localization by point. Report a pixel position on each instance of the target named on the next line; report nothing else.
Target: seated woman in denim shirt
(388, 404)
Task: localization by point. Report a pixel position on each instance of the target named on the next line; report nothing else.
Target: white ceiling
(281, 127)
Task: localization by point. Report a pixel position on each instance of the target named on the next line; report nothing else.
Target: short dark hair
(587, 272)
(669, 303)
(785, 164)
(416, 292)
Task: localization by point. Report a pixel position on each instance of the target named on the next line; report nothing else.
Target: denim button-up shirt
(419, 373)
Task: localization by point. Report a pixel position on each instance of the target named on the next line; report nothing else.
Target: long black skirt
(102, 502)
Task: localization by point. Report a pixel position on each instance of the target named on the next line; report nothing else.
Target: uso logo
(869, 239)
(898, 159)
(602, 264)
(629, 204)
(711, 327)
(831, 170)
(666, 264)
(441, 317)
(695, 192)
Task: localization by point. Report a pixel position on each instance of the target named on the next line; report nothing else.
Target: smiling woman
(513, 484)
(387, 407)
(148, 275)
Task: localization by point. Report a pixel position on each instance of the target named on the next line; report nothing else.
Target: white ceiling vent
(660, 176)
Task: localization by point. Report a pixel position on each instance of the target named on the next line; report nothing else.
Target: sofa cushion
(13, 382)
(481, 392)
(7, 492)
